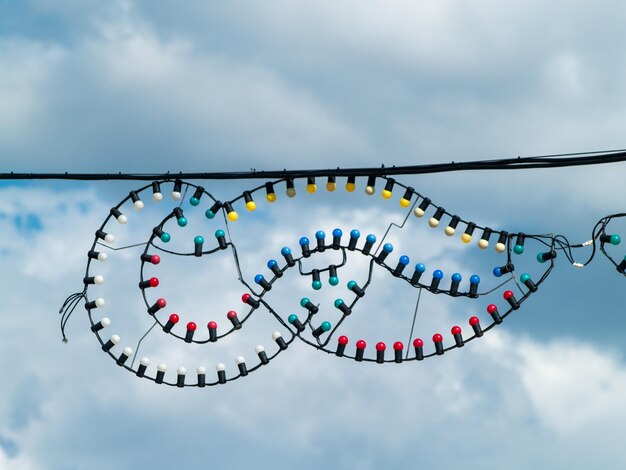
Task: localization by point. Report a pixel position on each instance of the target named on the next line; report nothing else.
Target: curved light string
(306, 322)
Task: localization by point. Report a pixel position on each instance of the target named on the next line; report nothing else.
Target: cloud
(484, 403)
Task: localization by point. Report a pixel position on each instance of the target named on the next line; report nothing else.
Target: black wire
(542, 161)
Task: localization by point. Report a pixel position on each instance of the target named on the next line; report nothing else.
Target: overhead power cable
(519, 163)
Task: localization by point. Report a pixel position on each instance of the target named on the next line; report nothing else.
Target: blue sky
(153, 86)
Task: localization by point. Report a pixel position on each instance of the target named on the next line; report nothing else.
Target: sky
(136, 86)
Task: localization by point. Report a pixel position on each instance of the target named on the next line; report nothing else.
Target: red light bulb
(155, 259)
(475, 324)
(398, 346)
(212, 331)
(191, 329)
(507, 294)
(380, 352)
(161, 303)
(232, 316)
(418, 344)
(342, 341)
(458, 338)
(492, 308)
(154, 282)
(245, 298)
(360, 350)
(437, 338)
(174, 318)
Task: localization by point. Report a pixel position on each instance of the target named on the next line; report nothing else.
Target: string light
(378, 256)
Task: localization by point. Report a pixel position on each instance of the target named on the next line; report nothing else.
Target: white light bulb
(259, 349)
(138, 205)
(419, 212)
(220, 367)
(108, 238)
(276, 335)
(115, 339)
(433, 222)
(144, 361)
(98, 279)
(158, 197)
(449, 231)
(369, 190)
(100, 302)
(105, 322)
(483, 243)
(201, 370)
(181, 371)
(128, 351)
(162, 367)
(102, 256)
(122, 219)
(240, 360)
(176, 195)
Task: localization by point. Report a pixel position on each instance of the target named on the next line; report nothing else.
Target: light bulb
(420, 210)
(156, 191)
(331, 185)
(250, 204)
(176, 191)
(311, 187)
(351, 184)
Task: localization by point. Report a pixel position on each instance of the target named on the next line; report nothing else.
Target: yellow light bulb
(250, 205)
(271, 197)
(331, 186)
(232, 216)
(404, 203)
(385, 194)
(350, 187)
(311, 188)
(466, 238)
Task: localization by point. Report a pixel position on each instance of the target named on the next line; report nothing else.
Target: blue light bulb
(404, 259)
(438, 274)
(337, 232)
(420, 268)
(272, 263)
(320, 235)
(285, 251)
(355, 233)
(304, 241)
(371, 238)
(387, 247)
(456, 277)
(474, 279)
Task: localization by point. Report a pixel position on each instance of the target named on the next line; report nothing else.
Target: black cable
(542, 161)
